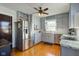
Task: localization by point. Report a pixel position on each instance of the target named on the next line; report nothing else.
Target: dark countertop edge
(4, 45)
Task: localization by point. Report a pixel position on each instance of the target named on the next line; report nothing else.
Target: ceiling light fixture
(41, 11)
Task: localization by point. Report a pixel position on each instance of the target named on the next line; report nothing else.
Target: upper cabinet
(62, 23)
(74, 15)
(76, 20)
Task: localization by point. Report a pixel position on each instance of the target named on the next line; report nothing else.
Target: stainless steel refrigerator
(23, 41)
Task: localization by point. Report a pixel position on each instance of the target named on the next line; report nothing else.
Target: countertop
(70, 44)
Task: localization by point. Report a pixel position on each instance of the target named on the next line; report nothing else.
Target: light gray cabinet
(57, 38)
(73, 15)
(48, 37)
(68, 51)
(37, 37)
(62, 23)
(76, 20)
(59, 21)
(35, 34)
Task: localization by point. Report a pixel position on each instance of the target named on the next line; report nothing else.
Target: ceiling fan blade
(45, 9)
(45, 13)
(35, 8)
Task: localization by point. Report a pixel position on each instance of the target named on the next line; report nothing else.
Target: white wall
(6, 11)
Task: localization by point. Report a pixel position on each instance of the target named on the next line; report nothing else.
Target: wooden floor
(41, 49)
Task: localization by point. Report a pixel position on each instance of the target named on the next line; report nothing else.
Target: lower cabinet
(57, 38)
(37, 37)
(68, 51)
(51, 38)
(48, 37)
(5, 51)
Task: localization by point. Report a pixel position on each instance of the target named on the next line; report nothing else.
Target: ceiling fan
(41, 11)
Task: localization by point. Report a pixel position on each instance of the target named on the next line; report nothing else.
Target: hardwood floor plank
(41, 49)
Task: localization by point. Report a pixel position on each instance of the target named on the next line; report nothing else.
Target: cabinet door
(48, 37)
(62, 23)
(65, 23)
(71, 19)
(59, 21)
(37, 37)
(76, 20)
(57, 38)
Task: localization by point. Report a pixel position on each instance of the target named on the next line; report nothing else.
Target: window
(50, 25)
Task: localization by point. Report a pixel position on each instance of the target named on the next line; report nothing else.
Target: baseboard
(51, 43)
(57, 44)
(47, 43)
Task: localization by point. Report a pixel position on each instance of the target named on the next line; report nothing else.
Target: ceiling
(54, 8)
